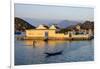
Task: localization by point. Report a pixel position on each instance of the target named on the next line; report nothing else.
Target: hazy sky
(54, 12)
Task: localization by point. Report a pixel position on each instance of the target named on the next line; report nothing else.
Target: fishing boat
(53, 54)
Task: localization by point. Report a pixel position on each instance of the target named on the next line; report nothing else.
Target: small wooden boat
(53, 54)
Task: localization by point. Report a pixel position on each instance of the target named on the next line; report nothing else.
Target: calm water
(72, 51)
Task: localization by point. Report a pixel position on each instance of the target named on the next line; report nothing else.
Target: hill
(22, 25)
(66, 23)
(85, 25)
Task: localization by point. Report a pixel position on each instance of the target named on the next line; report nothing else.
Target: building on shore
(52, 32)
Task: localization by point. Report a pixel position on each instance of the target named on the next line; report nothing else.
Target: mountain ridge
(65, 25)
(22, 25)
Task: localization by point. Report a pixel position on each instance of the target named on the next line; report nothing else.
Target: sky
(53, 12)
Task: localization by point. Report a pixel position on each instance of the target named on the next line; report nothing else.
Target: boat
(53, 54)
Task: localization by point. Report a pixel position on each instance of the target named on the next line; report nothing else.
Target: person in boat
(34, 42)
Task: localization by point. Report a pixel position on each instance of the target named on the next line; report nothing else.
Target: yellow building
(45, 32)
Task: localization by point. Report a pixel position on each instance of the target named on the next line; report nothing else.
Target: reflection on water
(33, 52)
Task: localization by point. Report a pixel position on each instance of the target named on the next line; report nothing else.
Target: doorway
(46, 35)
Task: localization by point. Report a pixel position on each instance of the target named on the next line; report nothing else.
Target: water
(72, 51)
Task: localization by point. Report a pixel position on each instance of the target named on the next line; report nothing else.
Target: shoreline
(46, 39)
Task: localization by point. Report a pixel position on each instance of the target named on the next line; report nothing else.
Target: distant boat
(18, 33)
(53, 54)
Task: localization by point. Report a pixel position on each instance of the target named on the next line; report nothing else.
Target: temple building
(45, 32)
